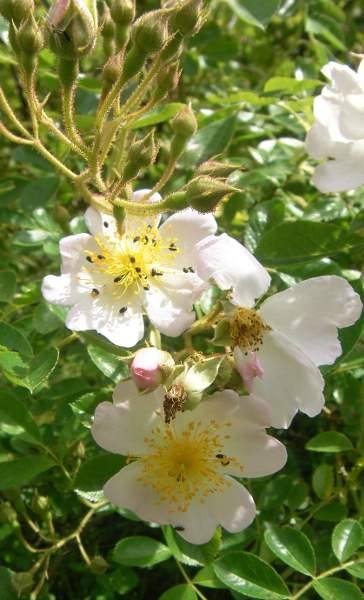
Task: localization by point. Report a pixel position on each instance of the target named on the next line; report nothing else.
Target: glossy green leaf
(293, 548)
(207, 578)
(250, 575)
(296, 242)
(347, 537)
(140, 551)
(323, 481)
(357, 570)
(109, 364)
(209, 141)
(333, 588)
(183, 591)
(7, 285)
(329, 441)
(20, 471)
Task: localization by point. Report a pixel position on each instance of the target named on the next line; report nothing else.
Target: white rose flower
(182, 473)
(111, 279)
(279, 347)
(338, 131)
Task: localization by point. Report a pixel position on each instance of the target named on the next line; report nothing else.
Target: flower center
(134, 258)
(187, 465)
(247, 329)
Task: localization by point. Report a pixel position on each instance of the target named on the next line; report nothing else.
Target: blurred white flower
(338, 131)
(110, 279)
(182, 473)
(279, 347)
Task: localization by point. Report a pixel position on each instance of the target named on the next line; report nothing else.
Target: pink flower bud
(149, 366)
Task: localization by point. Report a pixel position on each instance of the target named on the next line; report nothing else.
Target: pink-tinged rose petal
(249, 369)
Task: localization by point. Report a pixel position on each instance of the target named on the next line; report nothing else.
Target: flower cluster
(337, 134)
(188, 445)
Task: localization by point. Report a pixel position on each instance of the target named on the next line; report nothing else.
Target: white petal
(234, 508)
(125, 490)
(124, 329)
(100, 224)
(339, 175)
(187, 227)
(59, 290)
(73, 251)
(310, 312)
(318, 142)
(80, 317)
(231, 265)
(198, 523)
(134, 222)
(165, 313)
(122, 426)
(291, 380)
(258, 453)
(343, 78)
(247, 413)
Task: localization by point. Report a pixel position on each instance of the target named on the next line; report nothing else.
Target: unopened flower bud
(150, 366)
(184, 125)
(177, 201)
(111, 71)
(122, 11)
(72, 28)
(205, 193)
(187, 19)
(167, 80)
(16, 10)
(29, 37)
(108, 32)
(150, 32)
(142, 154)
(215, 168)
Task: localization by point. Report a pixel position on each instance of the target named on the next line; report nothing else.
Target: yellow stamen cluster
(187, 465)
(247, 329)
(133, 258)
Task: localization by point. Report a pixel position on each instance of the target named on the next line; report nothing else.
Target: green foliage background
(252, 89)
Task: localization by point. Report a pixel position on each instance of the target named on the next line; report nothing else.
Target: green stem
(189, 581)
(327, 573)
(68, 96)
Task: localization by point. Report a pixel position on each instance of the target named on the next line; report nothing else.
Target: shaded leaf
(140, 551)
